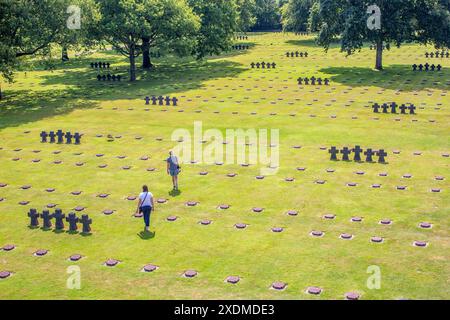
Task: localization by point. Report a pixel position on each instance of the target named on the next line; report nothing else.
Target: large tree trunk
(146, 62)
(132, 63)
(379, 59)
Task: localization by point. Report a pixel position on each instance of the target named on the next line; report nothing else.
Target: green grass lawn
(71, 99)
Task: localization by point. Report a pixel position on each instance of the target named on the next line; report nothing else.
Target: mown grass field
(224, 93)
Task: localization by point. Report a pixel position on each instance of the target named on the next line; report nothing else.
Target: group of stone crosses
(109, 77)
(426, 67)
(263, 65)
(374, 47)
(357, 151)
(72, 219)
(313, 81)
(297, 54)
(161, 100)
(437, 54)
(100, 65)
(240, 47)
(242, 37)
(59, 136)
(393, 108)
(304, 33)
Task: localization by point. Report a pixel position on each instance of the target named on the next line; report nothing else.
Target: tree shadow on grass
(393, 77)
(84, 91)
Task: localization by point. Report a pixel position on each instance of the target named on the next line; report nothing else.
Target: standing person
(173, 169)
(145, 206)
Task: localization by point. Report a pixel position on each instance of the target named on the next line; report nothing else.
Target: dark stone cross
(258, 65)
(263, 65)
(73, 220)
(357, 151)
(161, 100)
(86, 223)
(77, 138)
(381, 156)
(376, 107)
(393, 107)
(167, 101)
(433, 67)
(306, 81)
(300, 81)
(385, 108)
(174, 101)
(420, 67)
(333, 151)
(313, 80)
(52, 137)
(403, 109)
(47, 219)
(287, 54)
(154, 99)
(68, 138)
(252, 65)
(60, 136)
(34, 218)
(274, 65)
(414, 66)
(147, 100)
(268, 65)
(345, 153)
(439, 67)
(326, 81)
(301, 54)
(319, 81)
(369, 153)
(427, 66)
(411, 109)
(44, 136)
(306, 54)
(59, 219)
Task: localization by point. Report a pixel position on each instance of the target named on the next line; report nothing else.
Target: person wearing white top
(145, 206)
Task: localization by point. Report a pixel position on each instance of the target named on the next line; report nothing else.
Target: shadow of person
(146, 235)
(174, 193)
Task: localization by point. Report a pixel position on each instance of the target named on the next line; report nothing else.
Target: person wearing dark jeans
(173, 169)
(146, 206)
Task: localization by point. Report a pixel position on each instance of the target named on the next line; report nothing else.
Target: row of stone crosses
(302, 33)
(59, 217)
(313, 81)
(100, 65)
(357, 152)
(296, 54)
(437, 54)
(109, 77)
(240, 47)
(426, 67)
(161, 100)
(393, 108)
(241, 37)
(59, 136)
(374, 47)
(263, 65)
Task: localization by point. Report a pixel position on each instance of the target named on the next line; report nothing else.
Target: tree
(173, 27)
(425, 21)
(28, 27)
(295, 15)
(247, 18)
(267, 15)
(219, 22)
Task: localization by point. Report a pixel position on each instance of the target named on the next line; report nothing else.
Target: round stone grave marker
(224, 206)
(41, 252)
(76, 193)
(232, 279)
(149, 268)
(172, 218)
(425, 225)
(401, 187)
(103, 166)
(314, 290)
(257, 209)
(103, 195)
(435, 190)
(8, 247)
(205, 222)
(279, 285)
(4, 274)
(421, 244)
(386, 222)
(346, 236)
(376, 239)
(383, 174)
(51, 205)
(292, 213)
(75, 257)
(108, 212)
(352, 296)
(24, 203)
(3, 185)
(290, 179)
(26, 187)
(320, 181)
(57, 162)
(356, 219)
(301, 169)
(191, 203)
(190, 273)
(111, 262)
(277, 229)
(352, 184)
(376, 185)
(329, 216)
(161, 200)
(131, 198)
(439, 178)
(316, 233)
(79, 208)
(240, 225)
(151, 169)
